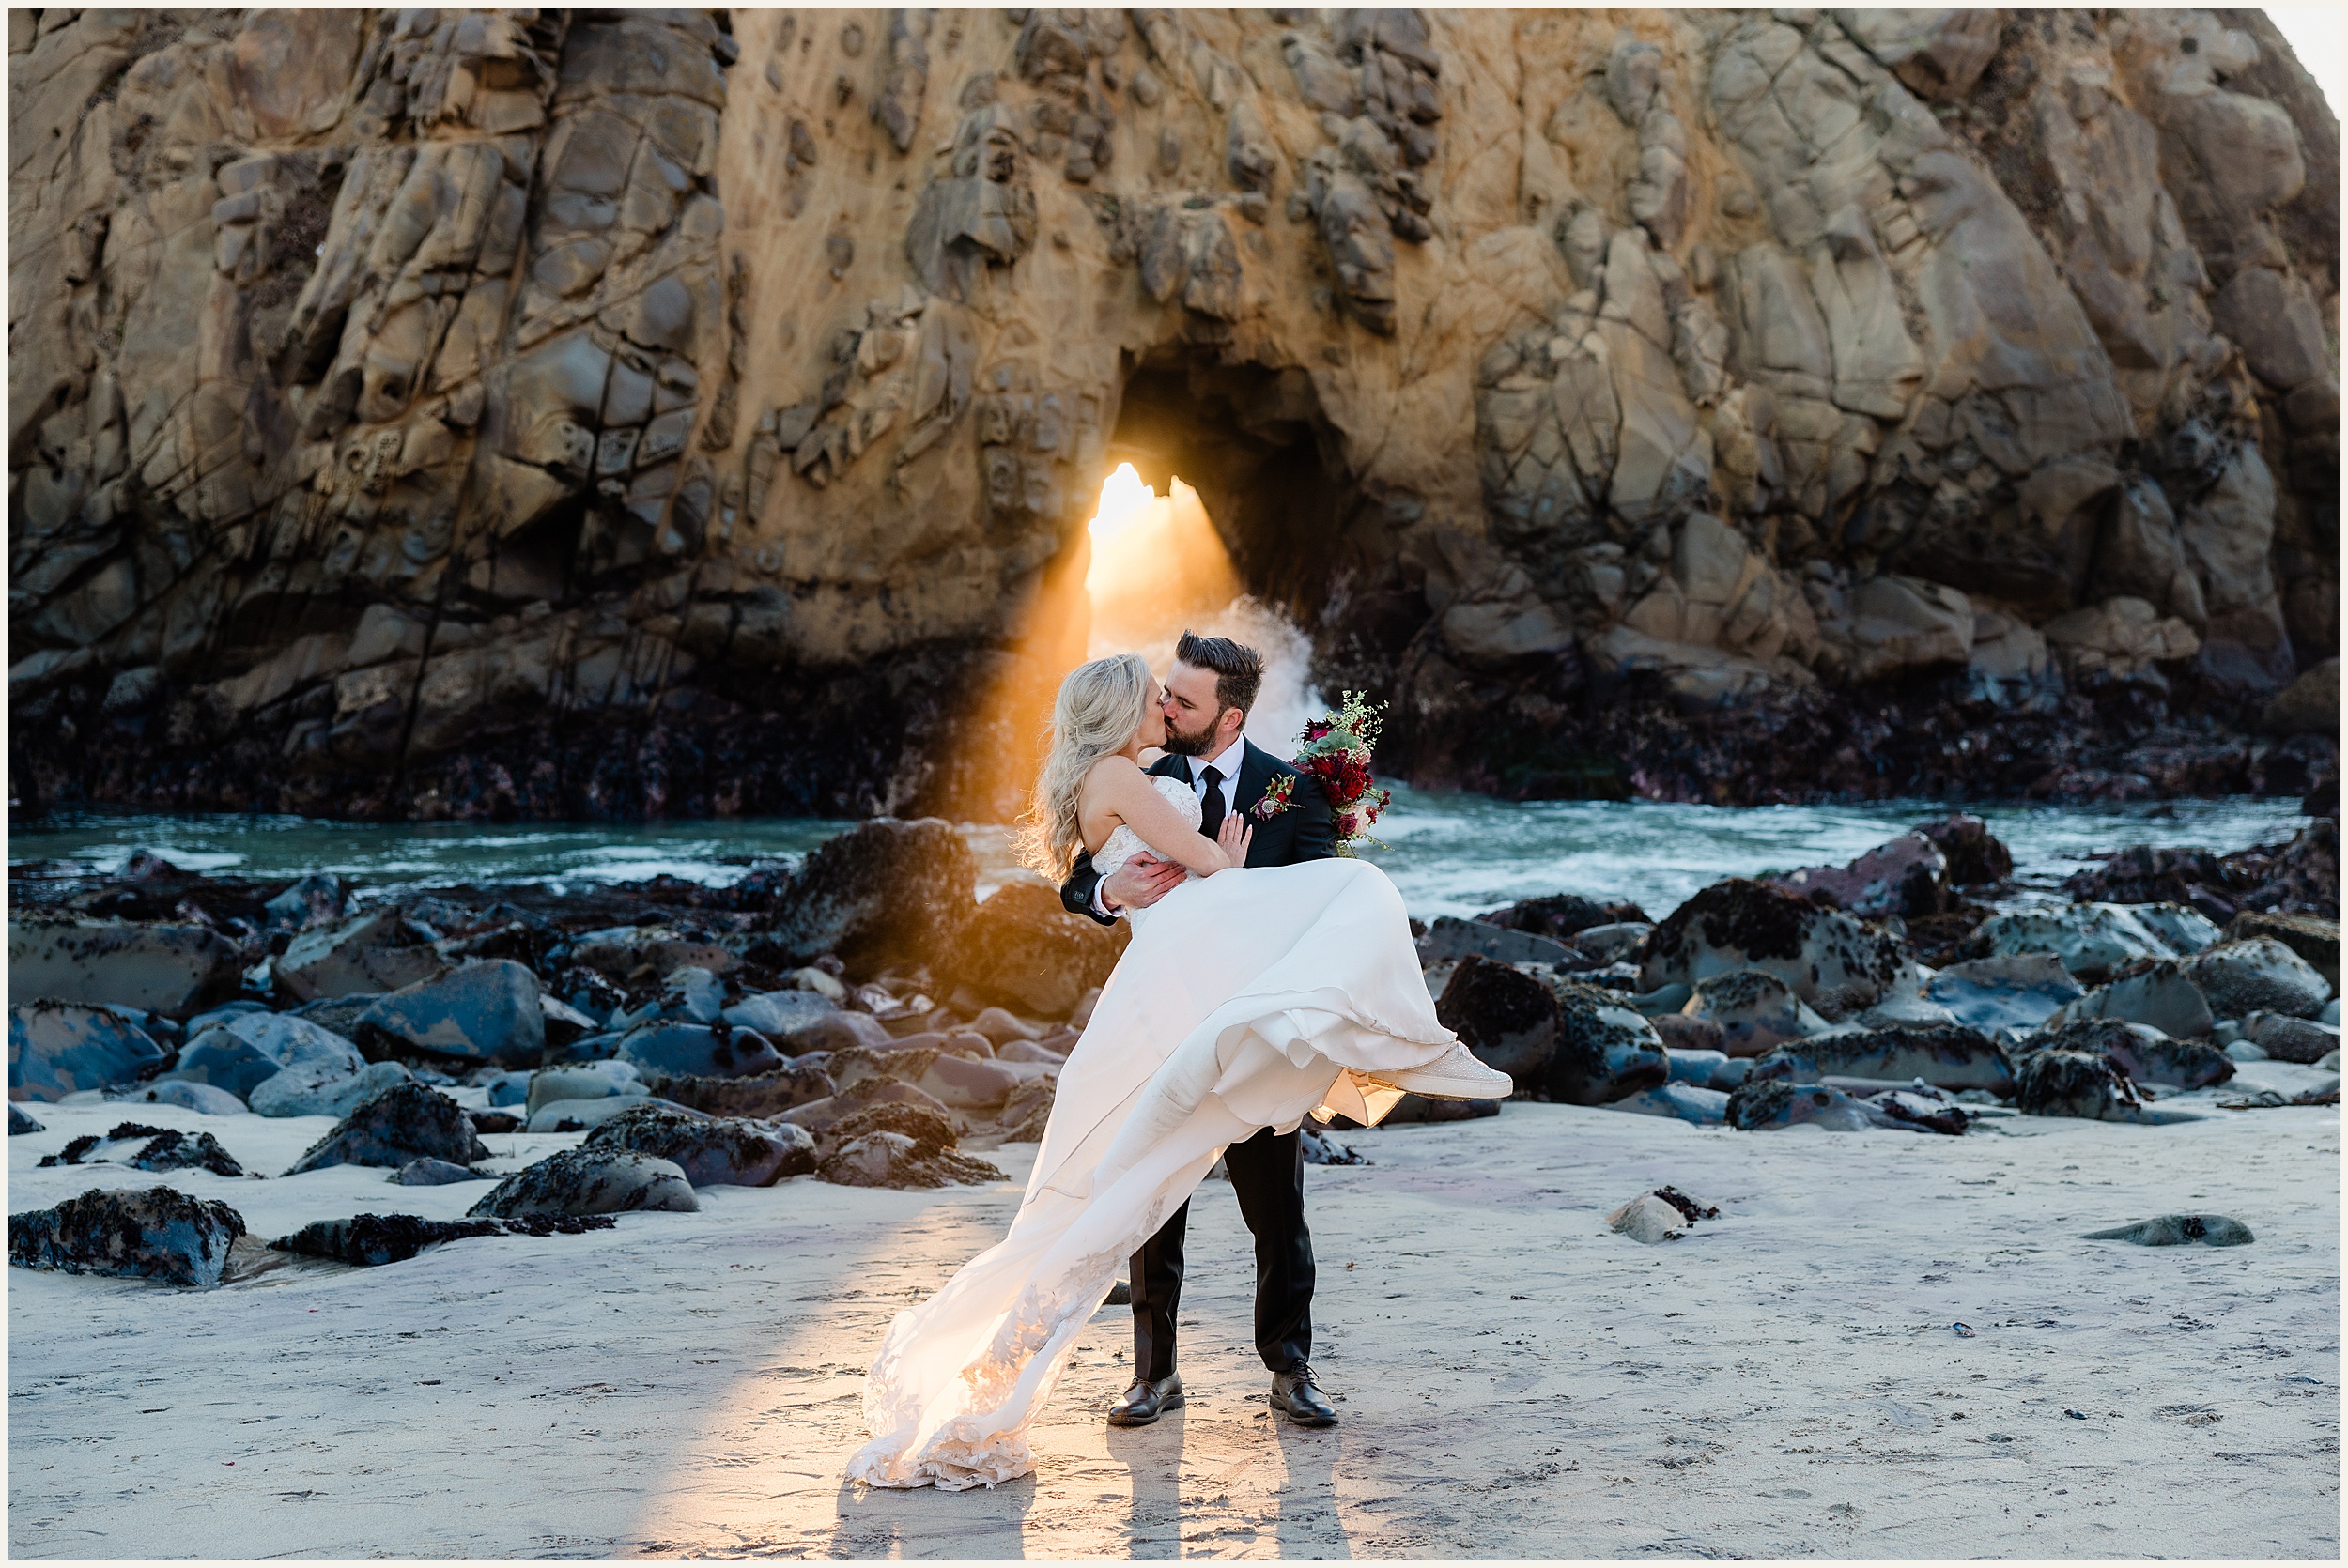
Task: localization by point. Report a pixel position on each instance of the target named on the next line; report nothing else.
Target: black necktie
(1211, 806)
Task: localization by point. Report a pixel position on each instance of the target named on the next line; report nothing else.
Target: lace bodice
(1124, 844)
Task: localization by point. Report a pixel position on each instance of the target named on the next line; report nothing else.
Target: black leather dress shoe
(1145, 1401)
(1295, 1396)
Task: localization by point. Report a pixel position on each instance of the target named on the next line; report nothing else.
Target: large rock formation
(447, 412)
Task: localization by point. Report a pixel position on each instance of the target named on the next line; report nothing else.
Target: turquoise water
(1449, 854)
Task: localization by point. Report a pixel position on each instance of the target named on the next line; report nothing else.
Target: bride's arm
(1124, 793)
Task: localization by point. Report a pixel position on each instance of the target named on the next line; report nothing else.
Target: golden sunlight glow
(1125, 498)
(1157, 565)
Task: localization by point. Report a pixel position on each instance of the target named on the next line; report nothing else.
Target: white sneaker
(1454, 1075)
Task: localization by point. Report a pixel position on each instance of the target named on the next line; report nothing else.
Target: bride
(1249, 998)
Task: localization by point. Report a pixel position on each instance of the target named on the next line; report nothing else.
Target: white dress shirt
(1227, 765)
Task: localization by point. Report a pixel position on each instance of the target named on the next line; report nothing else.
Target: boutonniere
(1276, 798)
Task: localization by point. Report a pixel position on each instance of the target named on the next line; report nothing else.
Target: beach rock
(368, 955)
(152, 1233)
(1973, 856)
(495, 1121)
(1318, 1149)
(2019, 993)
(337, 1015)
(563, 1024)
(693, 993)
(1906, 877)
(245, 1050)
(697, 1051)
(1450, 937)
(59, 1047)
(2308, 706)
(185, 1151)
(578, 1116)
(2188, 878)
(324, 1090)
(2285, 1038)
(779, 1014)
(1921, 1111)
(583, 1080)
(1028, 1111)
(215, 1017)
(1945, 1055)
(2313, 937)
(1679, 1032)
(1021, 949)
(2089, 940)
(20, 1122)
(712, 1151)
(315, 899)
(1755, 1011)
(884, 892)
(1761, 1105)
(485, 1011)
(758, 1095)
(1002, 1028)
(871, 1151)
(428, 1172)
(967, 1086)
(1649, 1218)
(1561, 917)
(587, 1180)
(372, 1240)
(2081, 1084)
(2185, 930)
(201, 1098)
(1505, 1016)
(1832, 961)
(1691, 1103)
(840, 1031)
(1618, 942)
(2178, 1230)
(818, 1115)
(2258, 975)
(1417, 1110)
(174, 970)
(1697, 1066)
(401, 1123)
(1606, 1049)
(2158, 993)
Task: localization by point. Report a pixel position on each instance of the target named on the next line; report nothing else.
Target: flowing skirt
(1246, 1000)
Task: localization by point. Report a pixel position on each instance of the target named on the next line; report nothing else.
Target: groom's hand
(1141, 881)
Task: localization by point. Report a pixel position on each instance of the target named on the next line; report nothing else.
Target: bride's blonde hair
(1099, 711)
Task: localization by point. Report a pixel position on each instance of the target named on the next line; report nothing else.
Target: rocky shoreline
(864, 1020)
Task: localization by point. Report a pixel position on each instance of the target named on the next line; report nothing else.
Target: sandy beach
(1515, 1380)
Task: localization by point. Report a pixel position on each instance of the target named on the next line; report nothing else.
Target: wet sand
(1515, 1380)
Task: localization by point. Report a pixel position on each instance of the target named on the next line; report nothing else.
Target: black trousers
(1268, 1176)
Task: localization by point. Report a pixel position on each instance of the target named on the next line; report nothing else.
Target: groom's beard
(1194, 744)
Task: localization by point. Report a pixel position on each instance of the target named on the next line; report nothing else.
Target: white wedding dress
(1246, 1000)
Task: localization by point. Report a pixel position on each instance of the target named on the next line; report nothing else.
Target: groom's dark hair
(1238, 668)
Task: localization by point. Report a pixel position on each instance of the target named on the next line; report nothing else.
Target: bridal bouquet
(1335, 749)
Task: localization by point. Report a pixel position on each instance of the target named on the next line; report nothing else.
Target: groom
(1213, 683)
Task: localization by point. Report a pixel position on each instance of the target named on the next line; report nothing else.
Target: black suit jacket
(1302, 832)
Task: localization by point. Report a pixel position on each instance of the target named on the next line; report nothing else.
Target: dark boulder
(372, 1240)
(2080, 1084)
(1022, 950)
(2313, 937)
(882, 893)
(2259, 975)
(1834, 961)
(1606, 1049)
(897, 1146)
(665, 1050)
(316, 899)
(437, 1172)
(758, 1094)
(369, 955)
(172, 970)
(2179, 1230)
(158, 1148)
(1945, 1055)
(1417, 1110)
(1771, 1104)
(1505, 1016)
(1921, 1111)
(152, 1233)
(1451, 938)
(2143, 875)
(405, 1122)
(2141, 1054)
(1561, 916)
(1906, 877)
(20, 1122)
(58, 1048)
(589, 1180)
(1974, 856)
(712, 1151)
(486, 1011)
